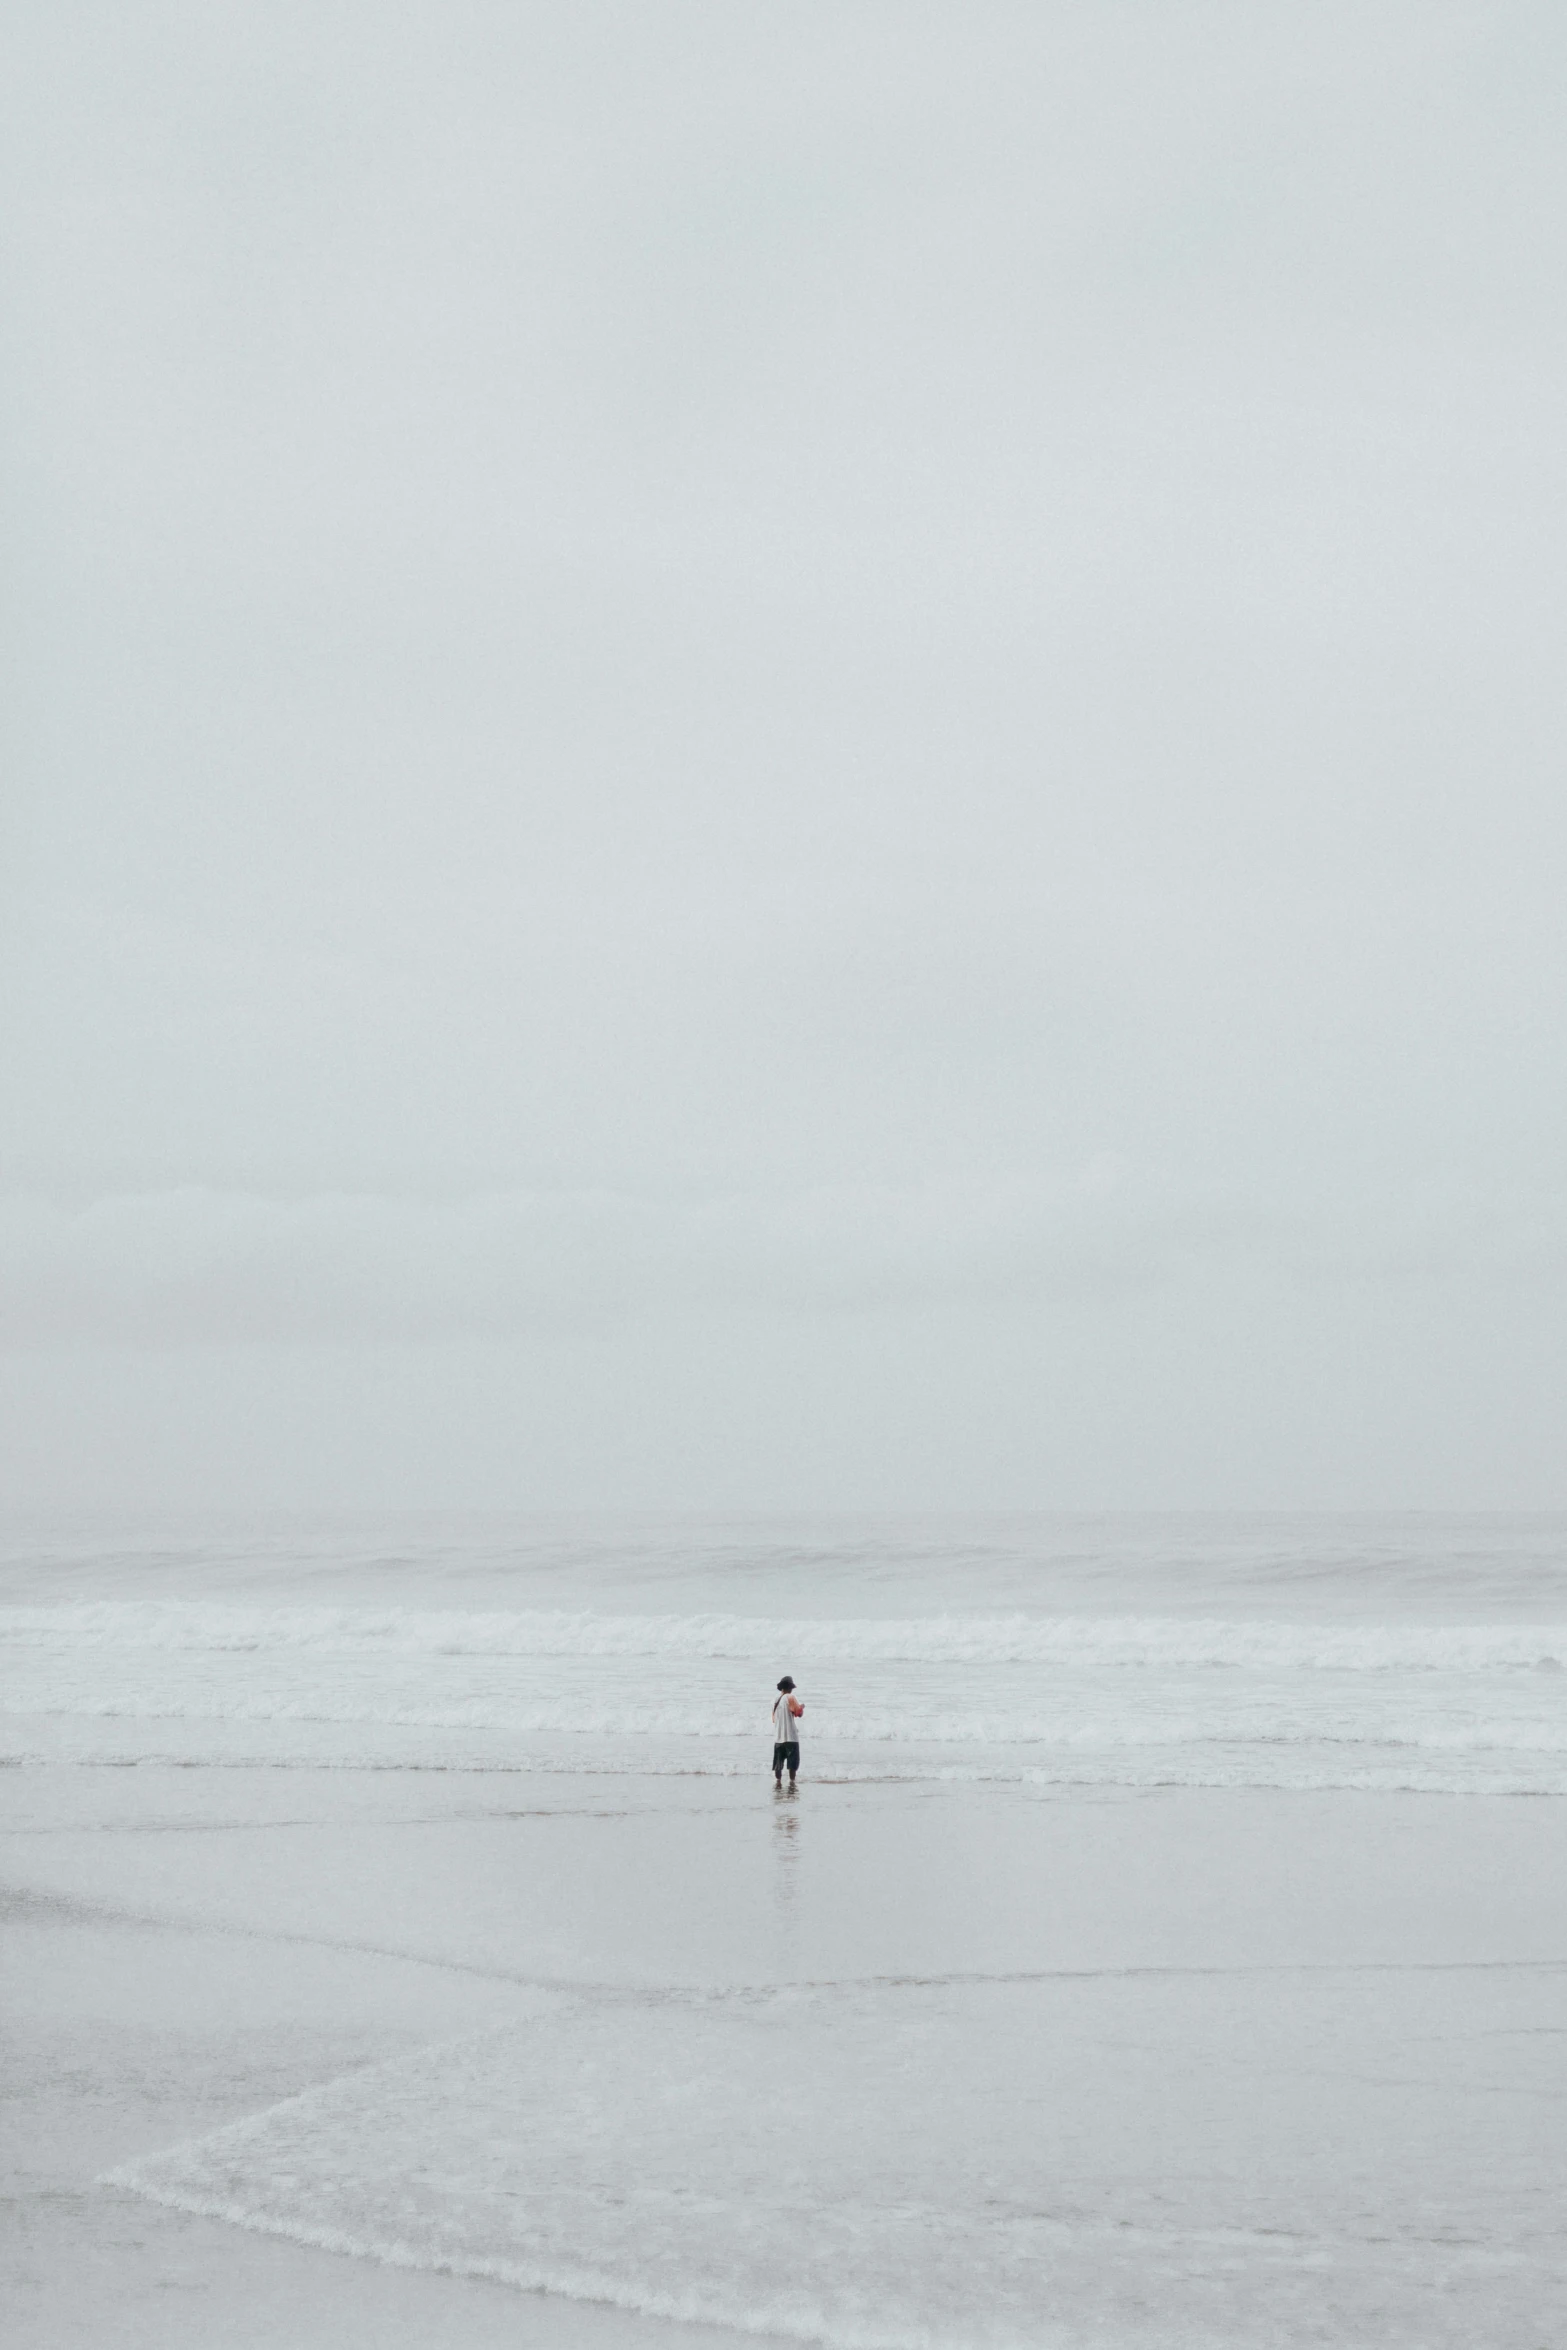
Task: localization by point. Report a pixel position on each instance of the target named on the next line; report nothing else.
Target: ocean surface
(1166, 1944)
(1420, 1655)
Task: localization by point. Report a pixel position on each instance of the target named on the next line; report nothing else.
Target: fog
(784, 758)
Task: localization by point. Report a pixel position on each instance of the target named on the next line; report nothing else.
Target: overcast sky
(770, 756)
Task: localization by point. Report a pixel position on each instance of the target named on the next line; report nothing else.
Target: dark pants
(789, 1754)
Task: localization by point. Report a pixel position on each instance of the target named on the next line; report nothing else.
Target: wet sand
(1254, 1986)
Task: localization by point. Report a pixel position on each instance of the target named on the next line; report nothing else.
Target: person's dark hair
(785, 1683)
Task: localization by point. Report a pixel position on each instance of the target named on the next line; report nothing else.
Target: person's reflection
(786, 1825)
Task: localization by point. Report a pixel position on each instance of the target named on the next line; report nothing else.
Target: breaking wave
(1189, 1643)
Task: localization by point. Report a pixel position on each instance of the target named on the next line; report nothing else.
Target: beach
(1167, 1942)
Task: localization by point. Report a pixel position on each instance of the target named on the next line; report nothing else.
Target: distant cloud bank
(203, 1266)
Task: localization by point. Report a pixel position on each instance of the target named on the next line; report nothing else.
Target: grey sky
(770, 756)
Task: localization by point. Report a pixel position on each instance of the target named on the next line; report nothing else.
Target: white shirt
(786, 1726)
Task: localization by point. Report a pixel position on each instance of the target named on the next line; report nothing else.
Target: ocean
(1166, 1943)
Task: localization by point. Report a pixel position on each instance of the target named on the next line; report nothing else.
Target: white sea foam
(1187, 1642)
(930, 2167)
(1135, 1699)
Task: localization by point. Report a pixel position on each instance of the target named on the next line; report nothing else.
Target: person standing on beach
(787, 1710)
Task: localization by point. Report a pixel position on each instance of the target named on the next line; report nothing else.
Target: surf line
(24, 1899)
